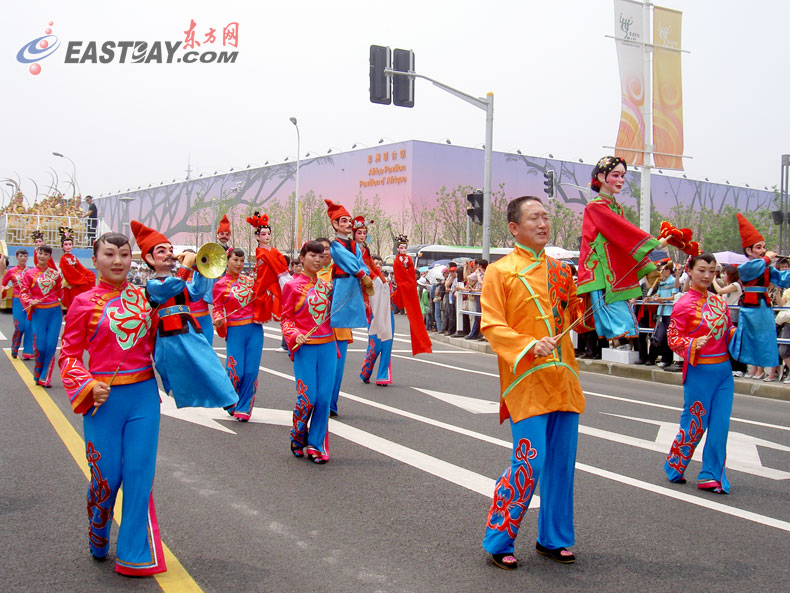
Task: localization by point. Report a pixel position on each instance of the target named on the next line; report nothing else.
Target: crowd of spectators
(443, 287)
(653, 313)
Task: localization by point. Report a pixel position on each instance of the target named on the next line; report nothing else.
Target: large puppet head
(609, 174)
(341, 219)
(223, 231)
(155, 249)
(752, 241)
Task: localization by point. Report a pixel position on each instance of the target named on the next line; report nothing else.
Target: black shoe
(673, 368)
(98, 558)
(333, 414)
(640, 361)
(561, 555)
(650, 363)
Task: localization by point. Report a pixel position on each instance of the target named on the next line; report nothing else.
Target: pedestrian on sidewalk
(528, 302)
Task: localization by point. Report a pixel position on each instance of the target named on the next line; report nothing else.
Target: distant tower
(189, 167)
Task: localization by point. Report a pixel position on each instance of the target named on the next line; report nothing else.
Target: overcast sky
(553, 74)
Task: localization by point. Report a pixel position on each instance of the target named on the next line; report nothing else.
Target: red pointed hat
(224, 225)
(146, 237)
(335, 211)
(749, 234)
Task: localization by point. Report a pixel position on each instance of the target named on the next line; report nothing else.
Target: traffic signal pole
(487, 105)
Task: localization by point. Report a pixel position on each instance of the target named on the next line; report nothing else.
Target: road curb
(631, 371)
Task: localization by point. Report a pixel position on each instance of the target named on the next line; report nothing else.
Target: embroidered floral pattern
(232, 374)
(318, 302)
(99, 494)
(715, 316)
(243, 290)
(46, 281)
(559, 275)
(513, 492)
(685, 442)
(130, 319)
(302, 413)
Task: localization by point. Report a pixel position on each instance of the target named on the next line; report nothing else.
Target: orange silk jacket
(528, 296)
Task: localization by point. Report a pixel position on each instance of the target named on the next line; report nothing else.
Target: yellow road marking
(176, 579)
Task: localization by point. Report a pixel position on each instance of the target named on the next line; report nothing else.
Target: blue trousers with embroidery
(121, 441)
(23, 335)
(313, 394)
(245, 344)
(544, 448)
(45, 325)
(377, 348)
(342, 349)
(207, 327)
(707, 405)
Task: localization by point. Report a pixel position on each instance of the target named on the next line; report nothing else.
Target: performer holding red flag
(406, 297)
(76, 277)
(271, 271)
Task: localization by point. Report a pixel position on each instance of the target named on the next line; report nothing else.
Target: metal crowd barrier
(649, 330)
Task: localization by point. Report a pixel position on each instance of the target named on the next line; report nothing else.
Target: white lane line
(2, 336)
(447, 366)
(677, 409)
(642, 485)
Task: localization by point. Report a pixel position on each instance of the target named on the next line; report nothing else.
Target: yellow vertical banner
(667, 89)
(629, 38)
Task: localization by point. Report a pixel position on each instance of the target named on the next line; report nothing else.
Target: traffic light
(380, 87)
(475, 212)
(549, 183)
(403, 86)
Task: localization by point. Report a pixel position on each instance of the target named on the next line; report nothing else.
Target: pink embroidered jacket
(112, 323)
(43, 287)
(306, 308)
(234, 296)
(13, 276)
(696, 315)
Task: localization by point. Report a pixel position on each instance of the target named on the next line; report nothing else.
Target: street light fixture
(73, 169)
(296, 195)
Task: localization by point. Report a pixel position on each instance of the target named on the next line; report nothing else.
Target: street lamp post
(126, 200)
(73, 171)
(296, 195)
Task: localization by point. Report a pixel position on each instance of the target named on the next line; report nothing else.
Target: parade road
(402, 504)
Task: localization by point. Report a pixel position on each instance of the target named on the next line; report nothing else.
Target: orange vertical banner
(628, 39)
(667, 89)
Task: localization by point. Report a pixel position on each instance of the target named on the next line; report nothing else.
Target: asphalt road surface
(401, 506)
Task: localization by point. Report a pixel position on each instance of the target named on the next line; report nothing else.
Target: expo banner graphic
(196, 47)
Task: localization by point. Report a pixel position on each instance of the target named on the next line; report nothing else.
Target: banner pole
(645, 202)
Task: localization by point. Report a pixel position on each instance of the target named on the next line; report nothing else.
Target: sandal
(505, 561)
(680, 480)
(561, 555)
(296, 450)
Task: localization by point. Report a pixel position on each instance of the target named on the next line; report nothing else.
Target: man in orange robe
(528, 301)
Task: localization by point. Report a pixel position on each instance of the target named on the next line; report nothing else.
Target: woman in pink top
(699, 331)
(234, 298)
(119, 400)
(305, 325)
(41, 293)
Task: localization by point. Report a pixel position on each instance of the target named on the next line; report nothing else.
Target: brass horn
(211, 260)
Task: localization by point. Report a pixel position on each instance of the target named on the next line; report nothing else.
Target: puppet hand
(652, 277)
(187, 259)
(770, 254)
(663, 242)
(367, 284)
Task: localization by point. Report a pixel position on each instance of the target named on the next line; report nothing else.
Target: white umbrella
(730, 257)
